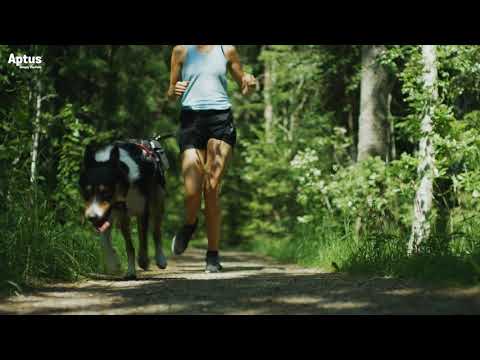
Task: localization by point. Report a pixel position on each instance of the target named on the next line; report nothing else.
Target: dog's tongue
(104, 226)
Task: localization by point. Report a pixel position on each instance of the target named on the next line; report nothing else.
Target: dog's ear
(115, 156)
(89, 155)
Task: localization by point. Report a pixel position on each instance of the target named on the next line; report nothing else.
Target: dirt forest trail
(250, 284)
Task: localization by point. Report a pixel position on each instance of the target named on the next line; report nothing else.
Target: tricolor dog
(119, 181)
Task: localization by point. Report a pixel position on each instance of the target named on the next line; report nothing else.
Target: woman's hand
(176, 91)
(246, 82)
(180, 87)
(249, 84)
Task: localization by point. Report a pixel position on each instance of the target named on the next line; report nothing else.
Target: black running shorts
(197, 127)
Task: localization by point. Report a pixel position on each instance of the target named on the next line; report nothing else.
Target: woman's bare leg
(192, 171)
(218, 154)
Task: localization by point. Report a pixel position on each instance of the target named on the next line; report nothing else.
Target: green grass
(35, 247)
(332, 246)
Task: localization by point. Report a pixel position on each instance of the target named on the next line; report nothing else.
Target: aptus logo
(26, 62)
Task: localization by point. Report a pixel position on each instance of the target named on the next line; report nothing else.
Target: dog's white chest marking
(135, 201)
(103, 155)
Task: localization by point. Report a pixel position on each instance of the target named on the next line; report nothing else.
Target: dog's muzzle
(101, 224)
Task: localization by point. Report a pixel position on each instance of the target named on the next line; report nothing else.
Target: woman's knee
(193, 186)
(212, 187)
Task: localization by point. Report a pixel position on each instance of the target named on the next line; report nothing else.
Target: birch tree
(36, 129)
(426, 170)
(267, 93)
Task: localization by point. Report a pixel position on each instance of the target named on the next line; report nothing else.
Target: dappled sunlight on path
(250, 284)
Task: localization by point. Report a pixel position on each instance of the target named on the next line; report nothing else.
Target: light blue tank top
(206, 73)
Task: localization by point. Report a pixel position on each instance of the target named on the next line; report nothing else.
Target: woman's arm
(177, 87)
(246, 82)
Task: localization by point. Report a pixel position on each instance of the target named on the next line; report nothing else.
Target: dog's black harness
(153, 152)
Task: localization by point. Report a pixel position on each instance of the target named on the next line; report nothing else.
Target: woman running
(207, 133)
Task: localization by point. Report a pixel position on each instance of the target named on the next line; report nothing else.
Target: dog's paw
(129, 277)
(143, 262)
(161, 261)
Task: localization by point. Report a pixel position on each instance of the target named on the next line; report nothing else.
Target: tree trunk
(374, 91)
(351, 132)
(36, 130)
(267, 95)
(295, 116)
(392, 144)
(426, 170)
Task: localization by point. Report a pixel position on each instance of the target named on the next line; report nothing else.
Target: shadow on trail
(269, 294)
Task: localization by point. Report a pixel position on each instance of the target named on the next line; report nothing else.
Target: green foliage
(359, 215)
(306, 79)
(273, 198)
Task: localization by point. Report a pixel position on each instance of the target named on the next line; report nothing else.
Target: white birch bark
(426, 170)
(36, 131)
(267, 93)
